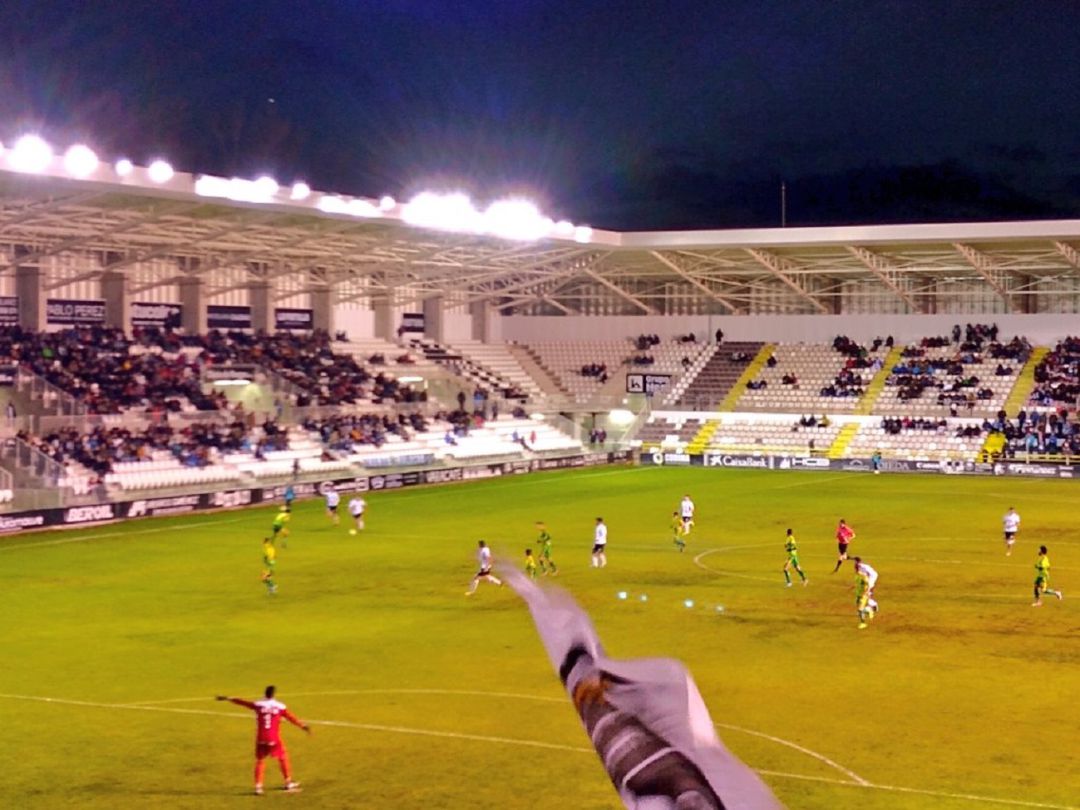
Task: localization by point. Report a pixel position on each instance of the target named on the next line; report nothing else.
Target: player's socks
(495, 580)
(787, 578)
(805, 581)
(258, 790)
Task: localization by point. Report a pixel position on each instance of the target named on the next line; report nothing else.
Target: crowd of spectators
(896, 425)
(645, 342)
(108, 373)
(343, 431)
(100, 448)
(1057, 377)
(597, 370)
(1052, 433)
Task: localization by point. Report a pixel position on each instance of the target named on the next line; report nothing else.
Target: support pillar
(433, 318)
(262, 309)
(322, 309)
(193, 301)
(117, 301)
(483, 317)
(30, 288)
(383, 306)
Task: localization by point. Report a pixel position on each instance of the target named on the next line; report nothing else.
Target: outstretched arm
(296, 721)
(247, 704)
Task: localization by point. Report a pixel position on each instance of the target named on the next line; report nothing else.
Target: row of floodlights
(514, 218)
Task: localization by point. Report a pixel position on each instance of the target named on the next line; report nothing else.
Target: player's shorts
(793, 559)
(1010, 537)
(1042, 582)
(686, 520)
(270, 749)
(842, 547)
(599, 548)
(545, 553)
(331, 508)
(357, 515)
(276, 529)
(484, 572)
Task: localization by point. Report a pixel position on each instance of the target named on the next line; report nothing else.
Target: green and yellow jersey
(1042, 568)
(544, 540)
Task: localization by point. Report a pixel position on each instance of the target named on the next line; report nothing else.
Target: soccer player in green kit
(279, 526)
(792, 549)
(544, 539)
(1042, 578)
(269, 564)
(677, 531)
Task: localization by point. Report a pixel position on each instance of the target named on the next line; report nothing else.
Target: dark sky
(622, 114)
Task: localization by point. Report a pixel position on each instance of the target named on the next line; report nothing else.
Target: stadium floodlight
(207, 185)
(564, 227)
(160, 172)
(266, 186)
(387, 203)
(300, 191)
(583, 233)
(363, 208)
(444, 212)
(620, 416)
(80, 161)
(124, 167)
(332, 204)
(30, 154)
(516, 219)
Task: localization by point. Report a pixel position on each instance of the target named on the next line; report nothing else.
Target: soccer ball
(352, 531)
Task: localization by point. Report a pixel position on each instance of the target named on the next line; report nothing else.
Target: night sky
(627, 115)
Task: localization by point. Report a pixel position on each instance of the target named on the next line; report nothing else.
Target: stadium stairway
(1025, 382)
(749, 373)
(843, 439)
(702, 437)
(877, 385)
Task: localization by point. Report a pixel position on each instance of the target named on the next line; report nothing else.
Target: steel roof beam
(783, 269)
(672, 265)
(887, 274)
(986, 267)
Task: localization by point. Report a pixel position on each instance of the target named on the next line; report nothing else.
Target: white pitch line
(707, 552)
(814, 754)
(529, 743)
(87, 538)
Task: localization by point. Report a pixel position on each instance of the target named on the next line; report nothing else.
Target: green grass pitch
(959, 695)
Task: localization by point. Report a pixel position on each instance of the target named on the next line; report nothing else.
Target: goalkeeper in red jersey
(268, 742)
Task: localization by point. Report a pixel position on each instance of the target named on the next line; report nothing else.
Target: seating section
(475, 373)
(939, 377)
(750, 435)
(1057, 377)
(498, 358)
(918, 438)
(611, 359)
(814, 378)
(705, 385)
(668, 431)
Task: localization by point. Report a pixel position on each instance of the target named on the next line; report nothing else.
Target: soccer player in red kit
(268, 742)
(844, 536)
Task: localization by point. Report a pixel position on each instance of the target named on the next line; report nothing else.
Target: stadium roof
(130, 216)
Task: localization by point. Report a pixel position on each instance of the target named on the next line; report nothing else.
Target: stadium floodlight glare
(386, 202)
(444, 212)
(160, 172)
(266, 186)
(207, 185)
(363, 208)
(80, 161)
(30, 154)
(621, 417)
(516, 219)
(332, 204)
(300, 191)
(582, 233)
(124, 167)
(564, 227)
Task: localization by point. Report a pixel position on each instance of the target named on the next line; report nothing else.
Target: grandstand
(168, 332)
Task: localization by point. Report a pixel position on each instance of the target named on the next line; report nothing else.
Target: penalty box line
(530, 743)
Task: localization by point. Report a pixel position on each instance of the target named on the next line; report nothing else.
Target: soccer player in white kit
(356, 508)
(599, 549)
(333, 498)
(871, 580)
(483, 557)
(1011, 525)
(686, 512)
